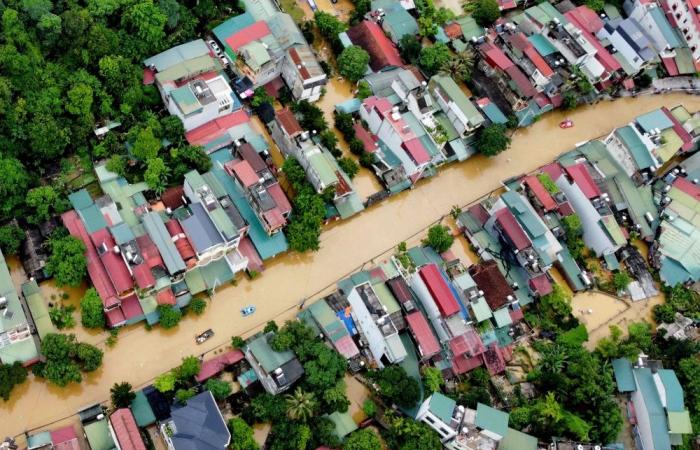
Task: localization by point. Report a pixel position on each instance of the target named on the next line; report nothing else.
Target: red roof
(468, 344)
(366, 137)
(143, 276)
(216, 128)
(507, 4)
(173, 197)
(495, 56)
(479, 213)
(461, 364)
(540, 285)
(216, 365)
(131, 307)
(400, 289)
(280, 198)
(125, 430)
(274, 219)
(427, 344)
(509, 225)
(244, 172)
(149, 76)
(180, 239)
(670, 65)
(540, 193)
(247, 249)
(583, 22)
(521, 81)
(680, 131)
(248, 153)
(248, 34)
(346, 347)
(688, 187)
(582, 177)
(495, 362)
(453, 30)
(586, 19)
(115, 317)
(289, 123)
(538, 61)
(371, 37)
(554, 170)
(416, 151)
(488, 278)
(65, 439)
(565, 209)
(113, 262)
(516, 315)
(166, 297)
(96, 270)
(149, 251)
(628, 83)
(439, 290)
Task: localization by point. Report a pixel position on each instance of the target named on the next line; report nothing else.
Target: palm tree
(460, 66)
(300, 405)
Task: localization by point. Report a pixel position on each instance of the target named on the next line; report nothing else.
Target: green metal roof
(344, 424)
(349, 205)
(256, 54)
(613, 229)
(454, 93)
(268, 358)
(24, 350)
(622, 368)
(148, 303)
(446, 124)
(98, 435)
(502, 317)
(385, 297)
(672, 143)
(674, 391)
(143, 413)
(176, 55)
(491, 419)
(80, 199)
(442, 406)
(517, 440)
(189, 68)
(611, 261)
(684, 61)
(232, 26)
(38, 308)
(399, 22)
(571, 269)
(611, 11)
(626, 66)
(323, 166)
(481, 309)
(679, 422)
(261, 9)
(654, 119)
(93, 219)
(216, 273)
(185, 99)
(542, 45)
(530, 221)
(656, 415)
(470, 28)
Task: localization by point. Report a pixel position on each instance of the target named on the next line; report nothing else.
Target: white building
(687, 15)
(303, 74)
(200, 101)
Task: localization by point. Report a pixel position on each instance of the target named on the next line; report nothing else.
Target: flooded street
(141, 355)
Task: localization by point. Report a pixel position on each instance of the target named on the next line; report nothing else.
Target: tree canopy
(65, 358)
(67, 262)
(91, 310)
(121, 395)
(439, 238)
(486, 12)
(492, 139)
(396, 386)
(11, 375)
(433, 57)
(353, 63)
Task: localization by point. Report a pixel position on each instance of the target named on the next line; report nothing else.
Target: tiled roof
(427, 344)
(371, 37)
(289, 123)
(495, 56)
(214, 129)
(366, 137)
(180, 239)
(280, 198)
(113, 262)
(65, 439)
(453, 30)
(251, 33)
(125, 430)
(539, 191)
(490, 280)
(416, 150)
(441, 293)
(521, 81)
(540, 284)
(215, 365)
(243, 172)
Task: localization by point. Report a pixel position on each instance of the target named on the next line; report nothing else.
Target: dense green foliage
(434, 57)
(396, 386)
(621, 280)
(492, 139)
(260, 96)
(169, 316)
(349, 166)
(304, 228)
(439, 238)
(432, 379)
(410, 48)
(44, 202)
(11, 375)
(573, 231)
(11, 237)
(486, 12)
(219, 389)
(62, 316)
(65, 358)
(67, 262)
(678, 299)
(197, 306)
(362, 440)
(121, 395)
(407, 434)
(241, 435)
(91, 310)
(353, 63)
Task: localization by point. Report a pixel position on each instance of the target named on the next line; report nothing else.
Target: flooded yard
(141, 355)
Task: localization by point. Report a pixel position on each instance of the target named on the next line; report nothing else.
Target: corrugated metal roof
(439, 290)
(622, 368)
(427, 343)
(448, 86)
(491, 419)
(442, 406)
(177, 54)
(517, 440)
(153, 223)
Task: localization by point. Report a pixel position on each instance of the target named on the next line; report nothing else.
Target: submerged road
(141, 355)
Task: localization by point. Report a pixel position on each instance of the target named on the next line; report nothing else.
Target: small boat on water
(568, 123)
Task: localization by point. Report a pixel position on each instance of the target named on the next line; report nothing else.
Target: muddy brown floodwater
(141, 355)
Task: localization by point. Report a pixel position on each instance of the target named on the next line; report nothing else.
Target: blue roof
(672, 272)
(92, 218)
(349, 106)
(493, 113)
(674, 391)
(635, 146)
(348, 322)
(266, 245)
(622, 368)
(654, 119)
(232, 26)
(200, 425)
(200, 229)
(400, 22)
(542, 45)
(80, 199)
(669, 33)
(530, 222)
(654, 408)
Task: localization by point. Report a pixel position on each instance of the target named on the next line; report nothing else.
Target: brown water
(454, 5)
(141, 355)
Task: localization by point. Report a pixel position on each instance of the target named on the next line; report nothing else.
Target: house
(65, 438)
(16, 341)
(96, 428)
(322, 170)
(198, 425)
(277, 371)
(191, 82)
(391, 127)
(656, 404)
(497, 291)
(382, 52)
(571, 42)
(630, 41)
(426, 343)
(125, 431)
(397, 22)
(515, 85)
(214, 366)
(651, 18)
(525, 55)
(686, 19)
(439, 412)
(459, 110)
(321, 316)
(302, 73)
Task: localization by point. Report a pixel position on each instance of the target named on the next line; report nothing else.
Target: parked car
(248, 310)
(224, 60)
(215, 47)
(203, 337)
